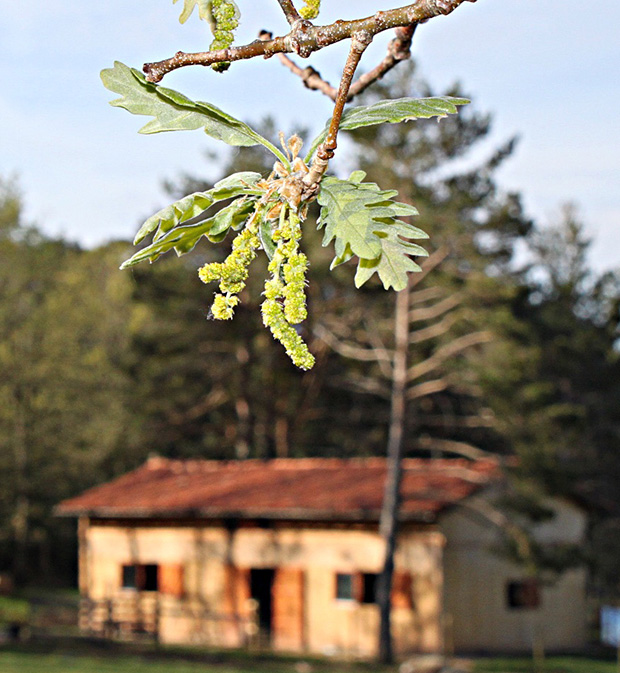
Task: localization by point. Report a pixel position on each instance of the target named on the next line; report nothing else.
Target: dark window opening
(150, 582)
(141, 577)
(344, 587)
(524, 594)
(369, 588)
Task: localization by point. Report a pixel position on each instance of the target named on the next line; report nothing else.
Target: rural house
(286, 553)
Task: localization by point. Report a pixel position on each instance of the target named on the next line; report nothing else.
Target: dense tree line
(99, 369)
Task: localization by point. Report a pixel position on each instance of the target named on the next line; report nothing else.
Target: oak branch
(304, 38)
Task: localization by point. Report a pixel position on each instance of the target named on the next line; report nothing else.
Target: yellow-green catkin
(285, 299)
(223, 307)
(310, 10)
(286, 334)
(294, 271)
(225, 20)
(232, 272)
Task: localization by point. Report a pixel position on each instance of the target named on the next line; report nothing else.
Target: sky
(547, 70)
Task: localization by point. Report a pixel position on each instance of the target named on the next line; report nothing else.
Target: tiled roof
(302, 489)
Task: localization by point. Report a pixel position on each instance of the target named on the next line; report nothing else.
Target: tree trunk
(242, 407)
(388, 527)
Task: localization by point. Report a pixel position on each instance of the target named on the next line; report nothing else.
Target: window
(129, 577)
(142, 577)
(344, 587)
(359, 587)
(524, 594)
(362, 588)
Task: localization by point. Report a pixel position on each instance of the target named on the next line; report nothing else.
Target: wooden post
(83, 578)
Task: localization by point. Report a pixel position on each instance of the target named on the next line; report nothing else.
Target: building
(286, 553)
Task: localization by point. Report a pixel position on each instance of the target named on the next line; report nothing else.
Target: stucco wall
(475, 589)
(329, 625)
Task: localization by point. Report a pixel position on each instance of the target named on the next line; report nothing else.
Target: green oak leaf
(400, 110)
(204, 9)
(233, 216)
(393, 112)
(172, 111)
(193, 205)
(362, 220)
(265, 232)
(392, 265)
(183, 238)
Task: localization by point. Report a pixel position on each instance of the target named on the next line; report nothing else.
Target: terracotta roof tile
(308, 488)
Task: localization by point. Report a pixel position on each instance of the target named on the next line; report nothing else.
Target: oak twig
(326, 149)
(309, 76)
(289, 10)
(305, 38)
(399, 50)
(359, 42)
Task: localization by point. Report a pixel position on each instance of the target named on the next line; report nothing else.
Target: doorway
(261, 585)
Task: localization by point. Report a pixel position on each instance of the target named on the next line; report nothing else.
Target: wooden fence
(145, 615)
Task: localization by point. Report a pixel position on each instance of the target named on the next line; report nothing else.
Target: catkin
(225, 19)
(310, 10)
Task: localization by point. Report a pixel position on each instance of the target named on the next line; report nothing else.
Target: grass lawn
(83, 657)
(21, 662)
(550, 665)
(78, 656)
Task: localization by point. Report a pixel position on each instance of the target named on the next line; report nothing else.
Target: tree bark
(388, 527)
(242, 406)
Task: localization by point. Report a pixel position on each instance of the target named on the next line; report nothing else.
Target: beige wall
(475, 590)
(330, 625)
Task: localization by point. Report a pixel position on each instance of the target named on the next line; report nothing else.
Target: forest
(513, 350)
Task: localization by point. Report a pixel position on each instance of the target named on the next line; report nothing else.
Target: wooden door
(236, 612)
(236, 590)
(170, 579)
(288, 609)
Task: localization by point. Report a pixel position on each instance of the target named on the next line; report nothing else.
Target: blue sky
(547, 70)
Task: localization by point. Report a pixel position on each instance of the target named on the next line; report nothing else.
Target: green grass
(14, 610)
(20, 662)
(79, 656)
(550, 665)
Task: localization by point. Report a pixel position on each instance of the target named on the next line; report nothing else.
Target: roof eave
(358, 516)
